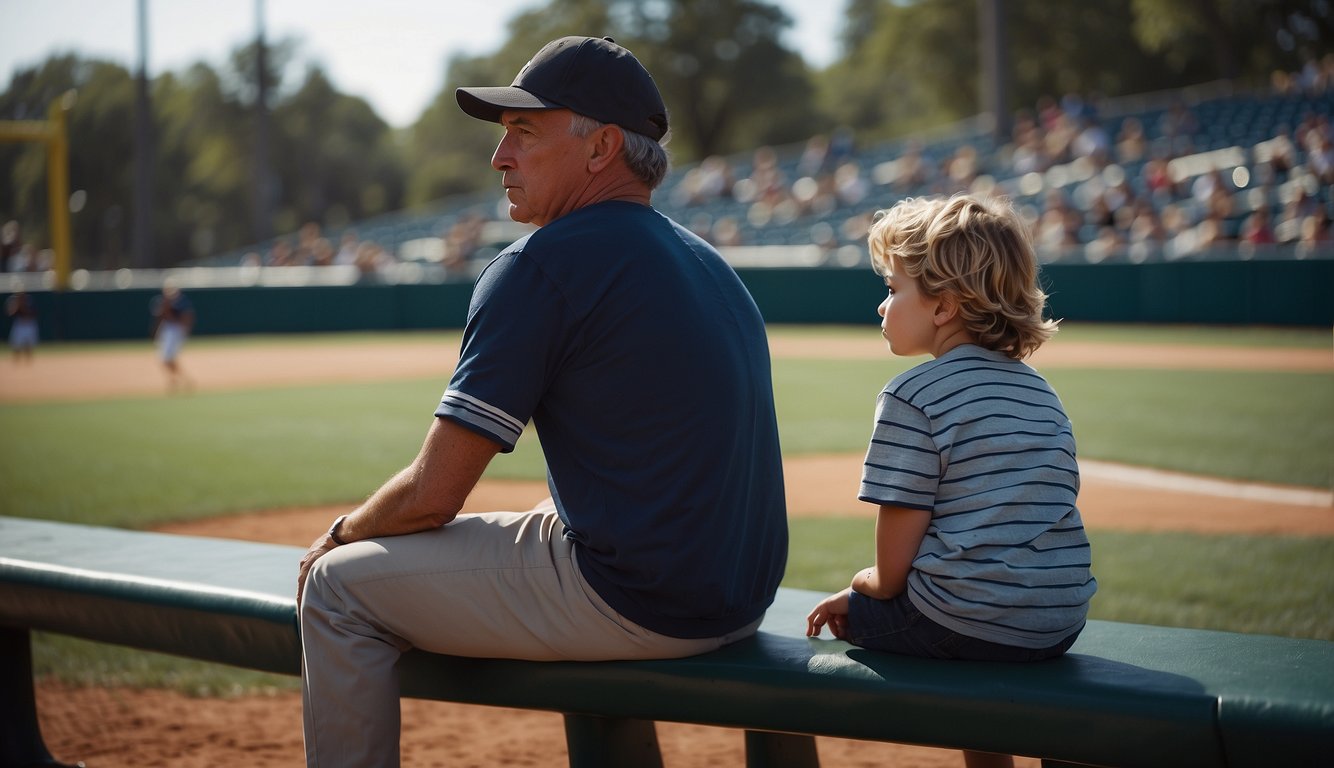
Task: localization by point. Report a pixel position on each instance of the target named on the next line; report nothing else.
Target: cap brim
(487, 103)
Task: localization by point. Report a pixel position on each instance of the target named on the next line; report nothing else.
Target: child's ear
(947, 308)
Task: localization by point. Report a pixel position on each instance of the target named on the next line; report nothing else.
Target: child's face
(908, 314)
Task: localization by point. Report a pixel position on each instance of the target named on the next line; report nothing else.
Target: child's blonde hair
(977, 250)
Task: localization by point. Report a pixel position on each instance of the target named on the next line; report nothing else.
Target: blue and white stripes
(983, 442)
(481, 415)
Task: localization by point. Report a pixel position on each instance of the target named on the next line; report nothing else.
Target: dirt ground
(108, 728)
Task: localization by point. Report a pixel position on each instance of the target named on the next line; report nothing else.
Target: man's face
(544, 167)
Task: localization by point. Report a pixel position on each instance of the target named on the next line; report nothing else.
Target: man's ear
(604, 146)
(947, 308)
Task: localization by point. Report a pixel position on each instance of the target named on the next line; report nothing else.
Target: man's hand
(318, 549)
(833, 610)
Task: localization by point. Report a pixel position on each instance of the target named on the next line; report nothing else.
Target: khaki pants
(500, 585)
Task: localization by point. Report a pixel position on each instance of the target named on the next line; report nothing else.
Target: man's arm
(426, 494)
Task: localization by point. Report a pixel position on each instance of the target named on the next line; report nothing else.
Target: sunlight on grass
(139, 461)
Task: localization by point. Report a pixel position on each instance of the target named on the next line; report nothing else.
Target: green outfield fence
(1268, 292)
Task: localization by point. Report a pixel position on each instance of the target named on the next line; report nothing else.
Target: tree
(338, 160)
(728, 82)
(100, 142)
(1240, 38)
(201, 186)
(335, 157)
(917, 67)
(727, 78)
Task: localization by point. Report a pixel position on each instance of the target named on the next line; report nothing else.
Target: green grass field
(136, 462)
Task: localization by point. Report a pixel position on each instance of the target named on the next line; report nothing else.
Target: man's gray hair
(646, 158)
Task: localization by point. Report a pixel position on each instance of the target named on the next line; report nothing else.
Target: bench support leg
(611, 742)
(780, 750)
(21, 744)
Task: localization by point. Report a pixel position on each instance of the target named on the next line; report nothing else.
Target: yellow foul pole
(51, 132)
(57, 182)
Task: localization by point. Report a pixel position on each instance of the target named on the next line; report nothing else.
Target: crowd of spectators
(16, 255)
(1232, 174)
(311, 248)
(1240, 172)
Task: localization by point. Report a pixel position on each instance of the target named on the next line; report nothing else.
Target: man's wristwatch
(333, 530)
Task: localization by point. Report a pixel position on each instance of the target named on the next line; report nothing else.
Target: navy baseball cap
(592, 76)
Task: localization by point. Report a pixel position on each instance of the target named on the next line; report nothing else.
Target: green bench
(1126, 695)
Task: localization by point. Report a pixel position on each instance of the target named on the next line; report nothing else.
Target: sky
(390, 52)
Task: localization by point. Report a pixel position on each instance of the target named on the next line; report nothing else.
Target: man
(173, 318)
(643, 364)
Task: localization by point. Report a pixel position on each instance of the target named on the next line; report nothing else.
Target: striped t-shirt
(983, 443)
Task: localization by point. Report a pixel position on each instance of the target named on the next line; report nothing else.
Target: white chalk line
(1176, 481)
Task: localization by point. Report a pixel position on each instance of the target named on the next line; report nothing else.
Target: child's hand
(832, 610)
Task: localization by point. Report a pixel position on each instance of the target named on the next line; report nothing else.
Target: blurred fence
(1266, 288)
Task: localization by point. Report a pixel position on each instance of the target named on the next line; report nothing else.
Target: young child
(980, 552)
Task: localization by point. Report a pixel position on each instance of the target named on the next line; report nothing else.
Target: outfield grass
(135, 462)
(139, 461)
(1277, 585)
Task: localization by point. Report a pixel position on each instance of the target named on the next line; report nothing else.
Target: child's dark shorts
(895, 625)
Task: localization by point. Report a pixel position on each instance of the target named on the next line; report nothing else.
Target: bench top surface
(1142, 684)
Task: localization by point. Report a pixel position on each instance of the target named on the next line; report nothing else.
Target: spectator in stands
(1175, 220)
(768, 183)
(1132, 145)
(321, 253)
(1099, 214)
(462, 240)
(1056, 144)
(1049, 113)
(855, 227)
(1146, 225)
(1316, 229)
(850, 186)
(372, 260)
(814, 155)
(1213, 232)
(1027, 154)
(909, 171)
(813, 195)
(1178, 126)
(711, 180)
(281, 254)
(1279, 153)
(347, 248)
(727, 232)
(624, 338)
(1092, 142)
(1320, 152)
(11, 242)
(1256, 229)
(307, 244)
(961, 168)
(1157, 178)
(842, 147)
(1058, 226)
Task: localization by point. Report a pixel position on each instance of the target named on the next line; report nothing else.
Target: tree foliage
(730, 82)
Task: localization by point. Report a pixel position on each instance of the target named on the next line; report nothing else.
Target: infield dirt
(109, 728)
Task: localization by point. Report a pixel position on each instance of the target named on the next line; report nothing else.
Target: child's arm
(898, 535)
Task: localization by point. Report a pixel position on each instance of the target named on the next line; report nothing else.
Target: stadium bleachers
(1168, 176)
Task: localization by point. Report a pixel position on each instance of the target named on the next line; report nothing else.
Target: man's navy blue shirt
(643, 363)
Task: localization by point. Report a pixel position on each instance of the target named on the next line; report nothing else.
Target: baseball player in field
(173, 318)
(22, 326)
